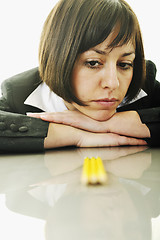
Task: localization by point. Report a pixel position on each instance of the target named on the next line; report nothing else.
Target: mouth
(108, 102)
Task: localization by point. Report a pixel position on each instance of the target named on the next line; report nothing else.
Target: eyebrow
(101, 52)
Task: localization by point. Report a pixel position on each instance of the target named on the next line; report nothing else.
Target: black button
(2, 108)
(23, 129)
(14, 128)
(2, 126)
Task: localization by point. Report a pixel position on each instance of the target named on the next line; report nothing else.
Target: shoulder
(150, 68)
(29, 79)
(150, 81)
(17, 88)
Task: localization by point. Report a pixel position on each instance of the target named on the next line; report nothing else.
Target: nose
(109, 78)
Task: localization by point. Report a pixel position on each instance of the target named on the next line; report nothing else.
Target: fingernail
(29, 114)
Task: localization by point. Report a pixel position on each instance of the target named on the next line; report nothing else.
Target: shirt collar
(141, 94)
(43, 98)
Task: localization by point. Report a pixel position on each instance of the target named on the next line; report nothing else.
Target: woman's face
(101, 77)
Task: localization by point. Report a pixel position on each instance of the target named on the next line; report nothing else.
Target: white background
(21, 23)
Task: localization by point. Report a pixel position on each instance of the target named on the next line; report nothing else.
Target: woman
(92, 85)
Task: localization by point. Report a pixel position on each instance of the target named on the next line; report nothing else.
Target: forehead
(106, 45)
(109, 43)
(104, 48)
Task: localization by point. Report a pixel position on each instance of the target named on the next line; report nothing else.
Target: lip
(108, 102)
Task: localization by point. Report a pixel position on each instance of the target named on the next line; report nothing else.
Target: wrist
(60, 135)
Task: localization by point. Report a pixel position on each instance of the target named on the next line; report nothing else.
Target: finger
(68, 118)
(36, 115)
(44, 116)
(48, 117)
(131, 141)
(62, 117)
(108, 140)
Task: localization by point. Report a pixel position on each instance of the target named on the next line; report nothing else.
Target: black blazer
(21, 133)
(18, 132)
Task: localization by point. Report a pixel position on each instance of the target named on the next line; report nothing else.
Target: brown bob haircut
(75, 26)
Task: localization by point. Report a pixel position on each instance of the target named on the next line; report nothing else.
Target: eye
(94, 64)
(125, 65)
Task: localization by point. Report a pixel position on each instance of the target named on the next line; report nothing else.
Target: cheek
(79, 88)
(82, 84)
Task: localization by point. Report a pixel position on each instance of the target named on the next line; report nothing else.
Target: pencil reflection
(66, 166)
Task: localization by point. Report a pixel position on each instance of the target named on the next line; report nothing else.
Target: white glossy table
(42, 198)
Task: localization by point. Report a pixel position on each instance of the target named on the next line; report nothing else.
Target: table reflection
(47, 186)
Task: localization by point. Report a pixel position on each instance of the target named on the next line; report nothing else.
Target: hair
(75, 26)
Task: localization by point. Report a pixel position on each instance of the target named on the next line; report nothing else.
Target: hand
(72, 118)
(128, 123)
(60, 135)
(88, 139)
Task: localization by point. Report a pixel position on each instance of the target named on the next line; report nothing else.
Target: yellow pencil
(93, 171)
(93, 178)
(86, 171)
(102, 175)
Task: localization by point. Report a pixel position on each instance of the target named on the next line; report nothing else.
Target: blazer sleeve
(20, 133)
(151, 115)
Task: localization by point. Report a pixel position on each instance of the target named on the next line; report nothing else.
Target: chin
(102, 116)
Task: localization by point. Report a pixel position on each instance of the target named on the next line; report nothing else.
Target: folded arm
(90, 133)
(60, 135)
(126, 123)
